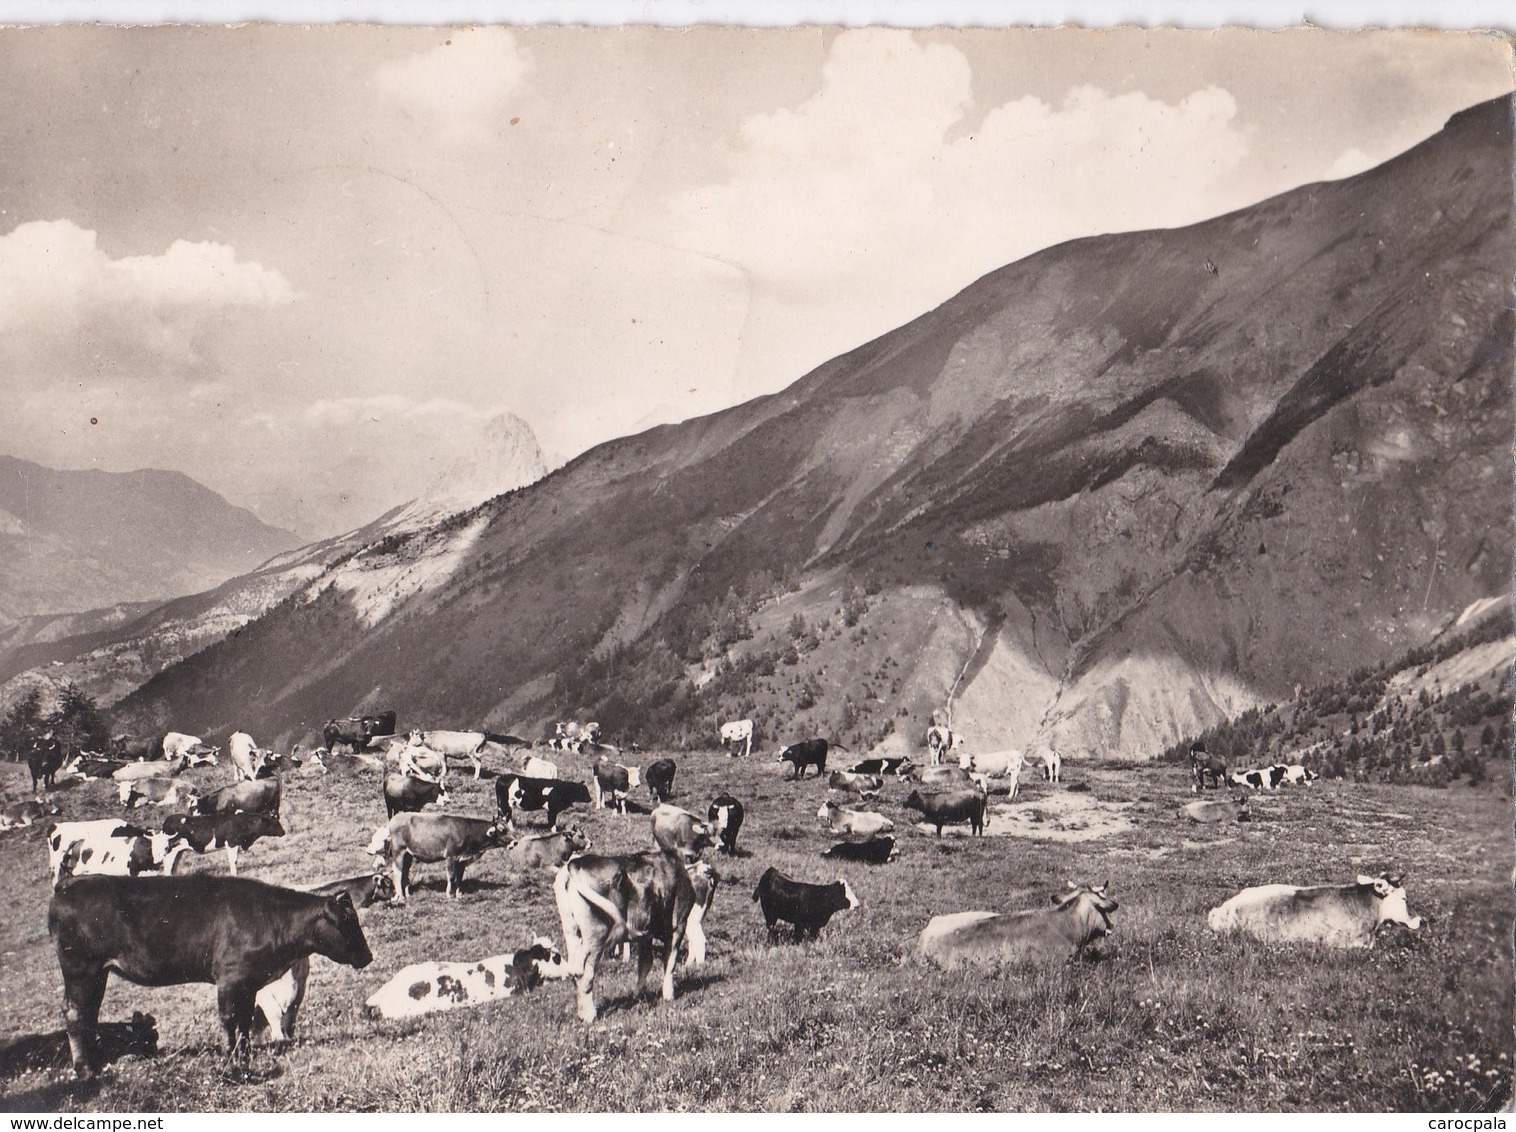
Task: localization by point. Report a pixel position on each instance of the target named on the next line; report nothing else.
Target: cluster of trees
(73, 721)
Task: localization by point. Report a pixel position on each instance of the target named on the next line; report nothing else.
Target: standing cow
(738, 733)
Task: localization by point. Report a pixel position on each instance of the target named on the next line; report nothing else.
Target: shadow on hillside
(50, 1052)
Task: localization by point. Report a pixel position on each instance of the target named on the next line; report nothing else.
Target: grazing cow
(1076, 918)
(425, 988)
(44, 755)
(860, 823)
(726, 815)
(614, 781)
(404, 794)
(356, 731)
(950, 806)
(861, 784)
(1052, 764)
(811, 752)
(108, 847)
(1344, 915)
(874, 851)
(459, 744)
(807, 906)
(232, 832)
(533, 767)
(546, 850)
(1206, 769)
(519, 792)
(1232, 809)
(159, 791)
(997, 764)
(679, 831)
(456, 841)
(23, 813)
(261, 796)
(738, 733)
(636, 898)
(1296, 774)
(659, 777)
(278, 1003)
(900, 768)
(940, 742)
(231, 931)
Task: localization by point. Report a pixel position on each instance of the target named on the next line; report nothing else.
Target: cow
(900, 768)
(546, 850)
(659, 777)
(246, 756)
(108, 847)
(874, 851)
(950, 806)
(949, 777)
(159, 791)
(614, 781)
(425, 988)
(459, 744)
(132, 748)
(519, 792)
(138, 772)
(679, 831)
(862, 823)
(1268, 778)
(704, 880)
(454, 840)
(1077, 917)
(176, 744)
(810, 752)
(636, 898)
(232, 832)
(278, 1003)
(415, 761)
(17, 815)
(1052, 764)
(807, 907)
(941, 742)
(92, 769)
(738, 733)
(1232, 809)
(997, 764)
(44, 757)
(533, 767)
(404, 794)
(1346, 915)
(864, 785)
(726, 814)
(355, 731)
(1205, 766)
(1297, 774)
(232, 931)
(353, 763)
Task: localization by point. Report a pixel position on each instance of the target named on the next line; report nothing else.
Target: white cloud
(460, 88)
(1349, 162)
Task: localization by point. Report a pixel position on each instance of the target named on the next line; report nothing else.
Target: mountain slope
(1105, 496)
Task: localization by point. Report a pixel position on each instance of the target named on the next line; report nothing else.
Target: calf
(636, 898)
(455, 841)
(231, 931)
(807, 906)
(679, 831)
(158, 791)
(108, 847)
(519, 792)
(841, 819)
(1076, 918)
(546, 850)
(233, 832)
(614, 781)
(811, 752)
(659, 777)
(726, 815)
(424, 988)
(874, 851)
(951, 806)
(17, 815)
(404, 794)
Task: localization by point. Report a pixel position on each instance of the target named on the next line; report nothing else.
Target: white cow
(109, 847)
(738, 731)
(423, 988)
(997, 764)
(1345, 915)
(1052, 764)
(459, 744)
(533, 767)
(247, 757)
(176, 744)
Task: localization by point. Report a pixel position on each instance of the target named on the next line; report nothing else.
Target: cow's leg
(231, 858)
(455, 869)
(585, 983)
(644, 947)
(401, 868)
(83, 992)
(235, 1001)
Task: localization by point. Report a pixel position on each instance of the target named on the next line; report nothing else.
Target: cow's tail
(568, 884)
(839, 746)
(506, 740)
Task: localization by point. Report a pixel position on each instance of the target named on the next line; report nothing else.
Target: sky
(310, 267)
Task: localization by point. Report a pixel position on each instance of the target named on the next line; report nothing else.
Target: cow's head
(576, 838)
(848, 894)
(965, 762)
(380, 841)
(338, 935)
(1391, 893)
(905, 768)
(381, 888)
(543, 960)
(828, 808)
(1091, 901)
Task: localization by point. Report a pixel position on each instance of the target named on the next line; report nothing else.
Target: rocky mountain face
(1104, 497)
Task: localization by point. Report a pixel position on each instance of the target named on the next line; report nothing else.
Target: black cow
(659, 777)
(900, 767)
(405, 794)
(807, 906)
(133, 748)
(164, 931)
(357, 730)
(44, 755)
(811, 752)
(874, 851)
(950, 806)
(1204, 765)
(232, 832)
(521, 792)
(726, 815)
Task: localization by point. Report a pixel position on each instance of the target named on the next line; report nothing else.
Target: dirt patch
(1054, 817)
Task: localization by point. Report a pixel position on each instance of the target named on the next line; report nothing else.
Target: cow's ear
(1367, 880)
(1395, 881)
(342, 902)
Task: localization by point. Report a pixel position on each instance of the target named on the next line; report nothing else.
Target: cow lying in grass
(425, 988)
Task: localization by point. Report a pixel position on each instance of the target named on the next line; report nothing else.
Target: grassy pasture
(1163, 1015)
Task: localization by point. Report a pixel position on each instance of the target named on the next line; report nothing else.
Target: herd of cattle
(118, 907)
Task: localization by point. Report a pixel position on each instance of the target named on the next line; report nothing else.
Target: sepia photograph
(561, 569)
